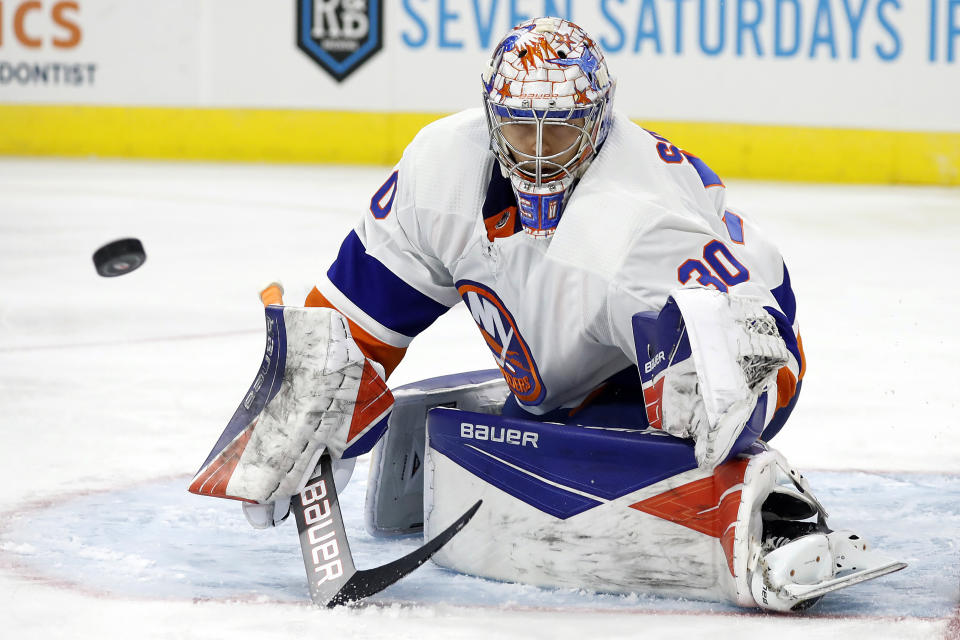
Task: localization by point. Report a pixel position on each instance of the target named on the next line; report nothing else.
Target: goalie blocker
(611, 510)
(315, 392)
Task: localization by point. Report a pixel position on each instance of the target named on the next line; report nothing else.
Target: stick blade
(370, 581)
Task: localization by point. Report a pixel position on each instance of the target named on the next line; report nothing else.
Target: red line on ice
(953, 626)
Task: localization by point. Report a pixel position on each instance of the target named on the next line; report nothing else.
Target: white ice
(112, 391)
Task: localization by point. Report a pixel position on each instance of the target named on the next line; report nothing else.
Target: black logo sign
(340, 35)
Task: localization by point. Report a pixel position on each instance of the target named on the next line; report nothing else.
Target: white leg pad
(394, 502)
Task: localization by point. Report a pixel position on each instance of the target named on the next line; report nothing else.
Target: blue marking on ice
(158, 541)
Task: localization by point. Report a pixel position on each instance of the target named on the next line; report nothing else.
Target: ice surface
(113, 390)
(156, 540)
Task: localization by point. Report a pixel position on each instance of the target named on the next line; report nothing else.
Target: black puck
(119, 257)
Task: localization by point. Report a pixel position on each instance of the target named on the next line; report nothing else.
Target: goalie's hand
(270, 514)
(264, 516)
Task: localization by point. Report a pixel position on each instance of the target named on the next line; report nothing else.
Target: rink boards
(773, 89)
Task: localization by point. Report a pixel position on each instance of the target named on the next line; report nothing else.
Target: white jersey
(556, 313)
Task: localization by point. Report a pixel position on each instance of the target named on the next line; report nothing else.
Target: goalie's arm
(322, 385)
(386, 279)
(708, 373)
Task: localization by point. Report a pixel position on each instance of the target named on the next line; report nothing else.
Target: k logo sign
(340, 35)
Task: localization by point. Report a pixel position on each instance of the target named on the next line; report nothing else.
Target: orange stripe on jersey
(502, 224)
(803, 357)
(386, 354)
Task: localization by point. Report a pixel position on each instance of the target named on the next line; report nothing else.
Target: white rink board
(881, 64)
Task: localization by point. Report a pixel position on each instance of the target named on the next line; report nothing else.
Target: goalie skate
(794, 575)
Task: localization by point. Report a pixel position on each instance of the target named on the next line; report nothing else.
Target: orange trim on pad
(373, 400)
(702, 506)
(786, 387)
(387, 355)
(213, 480)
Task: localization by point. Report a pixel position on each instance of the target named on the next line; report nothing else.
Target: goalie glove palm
(316, 391)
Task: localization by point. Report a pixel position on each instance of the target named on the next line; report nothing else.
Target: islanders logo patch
(340, 35)
(503, 337)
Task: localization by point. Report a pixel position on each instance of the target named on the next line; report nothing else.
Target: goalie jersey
(645, 218)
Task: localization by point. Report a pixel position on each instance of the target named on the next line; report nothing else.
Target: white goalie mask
(548, 100)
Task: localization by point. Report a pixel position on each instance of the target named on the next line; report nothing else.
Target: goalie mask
(547, 95)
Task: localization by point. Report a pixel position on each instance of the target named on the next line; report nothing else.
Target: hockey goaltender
(647, 346)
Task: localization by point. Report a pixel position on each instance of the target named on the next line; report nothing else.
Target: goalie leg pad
(577, 507)
(394, 502)
(621, 511)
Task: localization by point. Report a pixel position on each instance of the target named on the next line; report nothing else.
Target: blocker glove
(316, 391)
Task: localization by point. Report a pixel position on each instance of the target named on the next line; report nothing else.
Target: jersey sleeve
(385, 278)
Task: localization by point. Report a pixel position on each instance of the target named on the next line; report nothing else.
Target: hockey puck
(119, 257)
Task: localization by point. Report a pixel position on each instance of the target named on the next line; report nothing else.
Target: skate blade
(805, 592)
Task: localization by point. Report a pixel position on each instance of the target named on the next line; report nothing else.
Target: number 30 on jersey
(719, 268)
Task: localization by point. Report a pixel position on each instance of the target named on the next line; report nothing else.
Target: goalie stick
(331, 573)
